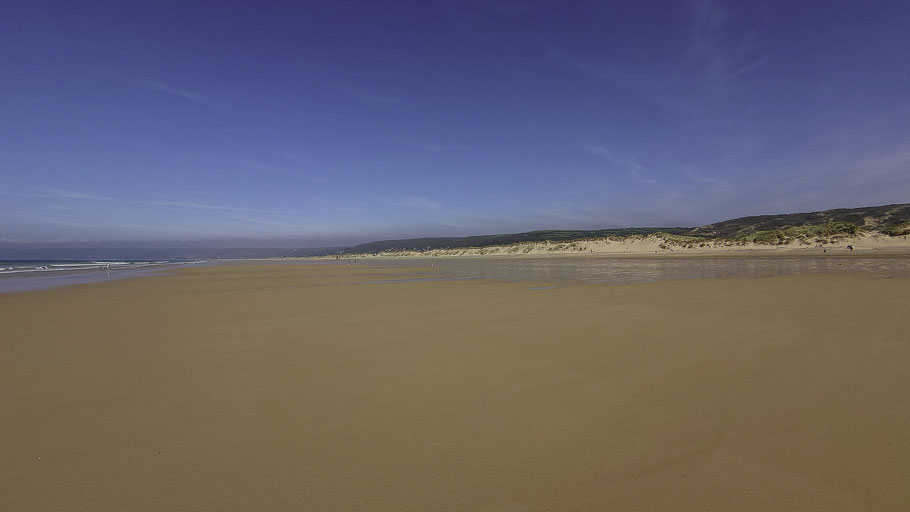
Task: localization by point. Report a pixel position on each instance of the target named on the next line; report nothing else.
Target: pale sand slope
(280, 388)
(869, 244)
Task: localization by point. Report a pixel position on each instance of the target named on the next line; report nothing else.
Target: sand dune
(307, 387)
(663, 245)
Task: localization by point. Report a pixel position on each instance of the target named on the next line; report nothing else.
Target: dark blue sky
(337, 121)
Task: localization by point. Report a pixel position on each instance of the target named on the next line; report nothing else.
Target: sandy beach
(321, 387)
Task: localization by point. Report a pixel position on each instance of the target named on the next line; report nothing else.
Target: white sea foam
(14, 267)
(20, 276)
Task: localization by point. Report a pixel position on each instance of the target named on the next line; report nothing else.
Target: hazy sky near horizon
(343, 121)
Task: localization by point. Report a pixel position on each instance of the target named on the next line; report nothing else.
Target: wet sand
(646, 269)
(297, 387)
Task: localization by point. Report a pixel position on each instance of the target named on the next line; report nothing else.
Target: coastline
(660, 246)
(46, 280)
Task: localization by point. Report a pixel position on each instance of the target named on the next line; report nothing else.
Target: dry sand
(282, 387)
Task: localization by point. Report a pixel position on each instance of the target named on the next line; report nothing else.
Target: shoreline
(27, 281)
(30, 282)
(742, 253)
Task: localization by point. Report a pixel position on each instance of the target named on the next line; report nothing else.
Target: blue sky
(321, 123)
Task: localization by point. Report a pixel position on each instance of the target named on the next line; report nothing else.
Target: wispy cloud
(463, 15)
(715, 187)
(421, 203)
(632, 167)
(182, 93)
(716, 53)
(372, 98)
(661, 92)
(699, 178)
(266, 222)
(196, 217)
(707, 21)
(183, 204)
(448, 147)
(205, 206)
(797, 184)
(502, 7)
(57, 194)
(293, 170)
(577, 216)
(746, 68)
(405, 202)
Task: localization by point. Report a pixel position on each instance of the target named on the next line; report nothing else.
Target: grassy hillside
(821, 227)
(876, 218)
(423, 244)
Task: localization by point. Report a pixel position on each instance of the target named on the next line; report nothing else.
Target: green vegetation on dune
(872, 217)
(422, 244)
(897, 229)
(828, 232)
(823, 227)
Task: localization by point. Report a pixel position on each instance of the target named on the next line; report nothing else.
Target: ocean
(31, 275)
(30, 266)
